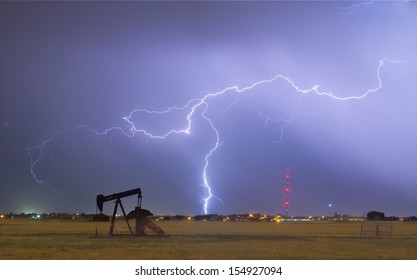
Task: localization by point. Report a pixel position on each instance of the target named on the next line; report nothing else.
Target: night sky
(86, 90)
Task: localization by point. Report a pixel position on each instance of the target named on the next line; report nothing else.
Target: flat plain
(76, 240)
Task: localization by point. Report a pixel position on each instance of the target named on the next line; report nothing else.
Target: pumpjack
(139, 214)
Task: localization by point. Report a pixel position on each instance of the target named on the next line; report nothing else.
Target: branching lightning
(353, 7)
(198, 107)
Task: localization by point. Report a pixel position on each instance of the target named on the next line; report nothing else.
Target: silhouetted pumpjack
(139, 214)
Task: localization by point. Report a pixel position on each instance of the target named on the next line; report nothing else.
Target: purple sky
(79, 68)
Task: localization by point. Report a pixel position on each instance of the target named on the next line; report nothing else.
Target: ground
(60, 239)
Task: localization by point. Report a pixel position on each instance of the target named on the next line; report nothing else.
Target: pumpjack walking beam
(101, 198)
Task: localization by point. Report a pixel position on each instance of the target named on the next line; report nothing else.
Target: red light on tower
(287, 190)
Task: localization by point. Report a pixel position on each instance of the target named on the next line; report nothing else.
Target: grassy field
(56, 239)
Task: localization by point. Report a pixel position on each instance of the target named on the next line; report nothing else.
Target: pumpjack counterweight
(139, 214)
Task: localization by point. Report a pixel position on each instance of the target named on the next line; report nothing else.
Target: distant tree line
(43, 216)
(371, 216)
(380, 216)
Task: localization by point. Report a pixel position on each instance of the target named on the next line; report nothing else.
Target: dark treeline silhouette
(371, 216)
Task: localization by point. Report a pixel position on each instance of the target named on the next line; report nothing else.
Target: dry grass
(29, 239)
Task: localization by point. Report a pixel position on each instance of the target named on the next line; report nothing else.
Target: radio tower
(287, 190)
(330, 194)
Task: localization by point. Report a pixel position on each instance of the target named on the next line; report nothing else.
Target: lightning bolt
(199, 107)
(41, 147)
(353, 7)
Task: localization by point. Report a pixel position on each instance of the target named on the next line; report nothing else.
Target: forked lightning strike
(353, 7)
(201, 105)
